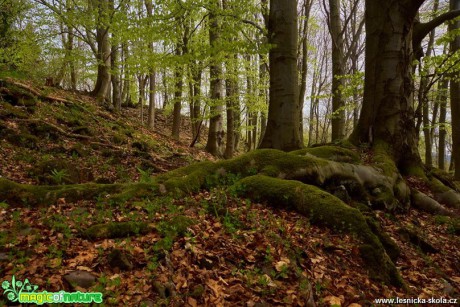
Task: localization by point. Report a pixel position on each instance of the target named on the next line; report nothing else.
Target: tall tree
(216, 131)
(442, 100)
(455, 97)
(103, 80)
(387, 115)
(338, 70)
(282, 131)
(151, 115)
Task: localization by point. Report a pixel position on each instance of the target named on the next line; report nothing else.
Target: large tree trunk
(283, 123)
(455, 98)
(216, 131)
(103, 52)
(387, 114)
(338, 70)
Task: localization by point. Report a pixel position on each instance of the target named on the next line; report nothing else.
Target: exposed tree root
(325, 209)
(298, 180)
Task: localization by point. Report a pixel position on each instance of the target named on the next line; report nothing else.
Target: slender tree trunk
(151, 116)
(114, 63)
(195, 105)
(216, 131)
(283, 123)
(249, 103)
(142, 83)
(263, 95)
(165, 89)
(116, 94)
(338, 70)
(177, 99)
(231, 98)
(73, 73)
(442, 98)
(455, 98)
(304, 61)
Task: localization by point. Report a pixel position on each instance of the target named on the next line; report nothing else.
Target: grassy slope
(234, 253)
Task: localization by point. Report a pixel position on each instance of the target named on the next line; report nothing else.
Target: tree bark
(151, 115)
(177, 99)
(195, 98)
(455, 98)
(283, 123)
(216, 131)
(338, 71)
(442, 99)
(304, 61)
(231, 99)
(103, 51)
(387, 114)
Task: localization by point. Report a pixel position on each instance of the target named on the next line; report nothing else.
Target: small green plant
(59, 176)
(145, 176)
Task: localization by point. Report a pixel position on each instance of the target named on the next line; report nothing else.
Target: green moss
(320, 206)
(334, 153)
(119, 139)
(116, 230)
(437, 186)
(414, 170)
(8, 111)
(22, 139)
(383, 159)
(16, 194)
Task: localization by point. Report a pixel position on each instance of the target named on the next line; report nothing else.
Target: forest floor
(210, 249)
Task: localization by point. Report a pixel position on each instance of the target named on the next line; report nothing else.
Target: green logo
(24, 292)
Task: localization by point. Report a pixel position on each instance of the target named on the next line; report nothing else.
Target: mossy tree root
(276, 182)
(324, 209)
(16, 194)
(370, 183)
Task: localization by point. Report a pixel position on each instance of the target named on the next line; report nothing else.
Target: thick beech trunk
(387, 114)
(101, 89)
(283, 123)
(216, 130)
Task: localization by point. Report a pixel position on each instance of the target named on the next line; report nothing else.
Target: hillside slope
(69, 139)
(211, 248)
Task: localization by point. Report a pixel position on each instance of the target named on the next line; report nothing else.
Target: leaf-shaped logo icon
(13, 290)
